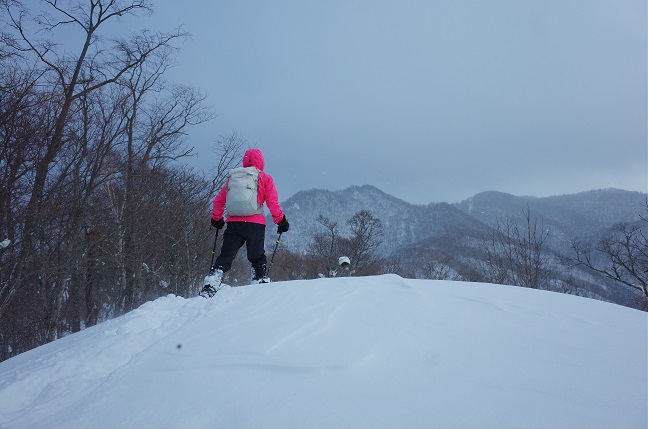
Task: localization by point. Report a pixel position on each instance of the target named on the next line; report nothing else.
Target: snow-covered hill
(343, 353)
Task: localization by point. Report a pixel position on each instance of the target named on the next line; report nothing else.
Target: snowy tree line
(96, 214)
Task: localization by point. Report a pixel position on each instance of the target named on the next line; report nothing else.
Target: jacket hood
(253, 158)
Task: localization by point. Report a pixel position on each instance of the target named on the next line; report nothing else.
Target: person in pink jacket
(248, 229)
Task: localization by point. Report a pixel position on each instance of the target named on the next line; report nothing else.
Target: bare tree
(624, 252)
(515, 254)
(366, 237)
(70, 77)
(360, 246)
(157, 116)
(326, 245)
(439, 269)
(229, 150)
(94, 130)
(88, 142)
(25, 124)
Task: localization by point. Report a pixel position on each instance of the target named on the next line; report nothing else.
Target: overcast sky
(430, 100)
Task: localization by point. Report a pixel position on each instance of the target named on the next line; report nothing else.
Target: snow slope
(343, 353)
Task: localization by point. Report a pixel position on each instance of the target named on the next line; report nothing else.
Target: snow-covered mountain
(343, 353)
(414, 235)
(586, 215)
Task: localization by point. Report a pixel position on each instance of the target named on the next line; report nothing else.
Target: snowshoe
(259, 275)
(212, 283)
(261, 280)
(208, 291)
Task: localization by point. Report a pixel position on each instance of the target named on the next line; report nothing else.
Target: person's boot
(212, 283)
(260, 275)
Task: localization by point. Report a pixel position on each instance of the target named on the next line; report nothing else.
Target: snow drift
(341, 353)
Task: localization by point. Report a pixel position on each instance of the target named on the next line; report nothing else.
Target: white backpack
(242, 190)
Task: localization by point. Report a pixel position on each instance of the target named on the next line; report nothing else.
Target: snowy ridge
(348, 352)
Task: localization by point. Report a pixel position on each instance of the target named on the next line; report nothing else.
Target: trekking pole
(273, 254)
(211, 264)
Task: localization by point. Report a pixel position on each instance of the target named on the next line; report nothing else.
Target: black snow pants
(238, 233)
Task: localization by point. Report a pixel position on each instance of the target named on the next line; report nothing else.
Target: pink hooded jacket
(267, 193)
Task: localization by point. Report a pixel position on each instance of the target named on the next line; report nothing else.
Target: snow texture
(343, 353)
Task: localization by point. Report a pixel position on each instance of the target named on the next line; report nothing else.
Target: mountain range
(414, 235)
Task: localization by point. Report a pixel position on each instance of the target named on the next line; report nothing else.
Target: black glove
(218, 224)
(283, 226)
